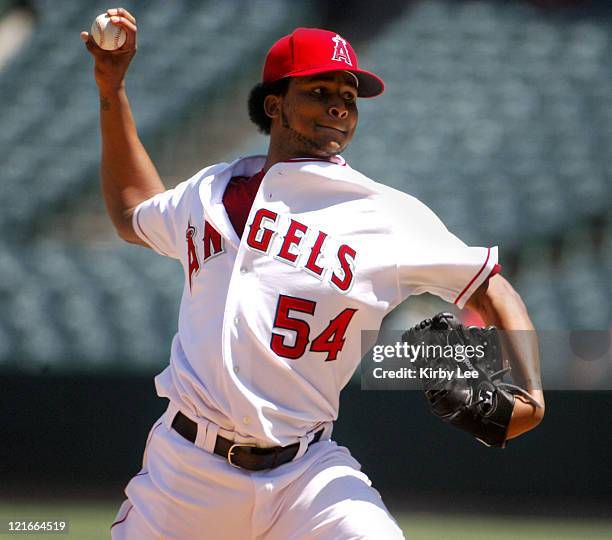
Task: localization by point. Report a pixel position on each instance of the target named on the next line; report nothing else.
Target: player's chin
(331, 146)
(330, 149)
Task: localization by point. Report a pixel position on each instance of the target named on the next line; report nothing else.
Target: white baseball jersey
(270, 323)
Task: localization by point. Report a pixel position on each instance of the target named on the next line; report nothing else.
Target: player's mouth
(331, 129)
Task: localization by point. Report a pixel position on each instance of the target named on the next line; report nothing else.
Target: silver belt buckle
(230, 453)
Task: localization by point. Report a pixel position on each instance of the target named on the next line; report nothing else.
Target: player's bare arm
(127, 173)
(500, 305)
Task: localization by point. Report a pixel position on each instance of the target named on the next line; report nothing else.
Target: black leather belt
(243, 456)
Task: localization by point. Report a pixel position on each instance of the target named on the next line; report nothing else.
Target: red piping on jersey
(475, 277)
(123, 518)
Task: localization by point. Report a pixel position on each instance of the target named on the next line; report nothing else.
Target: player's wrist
(112, 91)
(525, 417)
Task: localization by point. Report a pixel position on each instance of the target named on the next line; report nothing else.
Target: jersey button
(243, 270)
(236, 320)
(236, 369)
(246, 420)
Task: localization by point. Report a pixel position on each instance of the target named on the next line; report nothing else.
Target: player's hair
(257, 96)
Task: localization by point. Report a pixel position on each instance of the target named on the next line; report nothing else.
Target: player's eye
(318, 91)
(349, 97)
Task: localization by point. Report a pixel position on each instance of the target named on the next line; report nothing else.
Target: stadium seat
(502, 85)
(498, 118)
(54, 106)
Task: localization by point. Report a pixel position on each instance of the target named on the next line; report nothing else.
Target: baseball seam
(100, 33)
(116, 38)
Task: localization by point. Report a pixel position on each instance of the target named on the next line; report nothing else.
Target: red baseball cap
(308, 51)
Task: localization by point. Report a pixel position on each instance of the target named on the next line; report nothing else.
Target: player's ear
(272, 105)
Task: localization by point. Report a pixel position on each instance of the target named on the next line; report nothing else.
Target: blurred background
(497, 114)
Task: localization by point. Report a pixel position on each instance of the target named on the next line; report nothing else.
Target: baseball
(107, 35)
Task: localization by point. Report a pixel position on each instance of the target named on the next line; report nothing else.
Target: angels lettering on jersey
(212, 244)
(299, 246)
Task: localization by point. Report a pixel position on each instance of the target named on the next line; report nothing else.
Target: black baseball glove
(461, 370)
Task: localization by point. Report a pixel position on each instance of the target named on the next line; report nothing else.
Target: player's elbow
(128, 235)
(125, 235)
(122, 221)
(123, 228)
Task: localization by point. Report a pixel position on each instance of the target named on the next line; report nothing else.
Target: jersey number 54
(330, 341)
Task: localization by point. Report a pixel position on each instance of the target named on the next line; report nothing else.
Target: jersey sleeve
(432, 259)
(155, 220)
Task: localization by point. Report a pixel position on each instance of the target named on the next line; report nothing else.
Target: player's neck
(279, 155)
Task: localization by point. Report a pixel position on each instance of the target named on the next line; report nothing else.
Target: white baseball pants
(184, 492)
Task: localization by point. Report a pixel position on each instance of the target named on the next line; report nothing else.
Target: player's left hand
(469, 392)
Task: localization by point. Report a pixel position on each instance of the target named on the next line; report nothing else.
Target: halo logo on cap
(341, 53)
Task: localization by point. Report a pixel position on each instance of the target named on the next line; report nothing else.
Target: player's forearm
(127, 172)
(501, 306)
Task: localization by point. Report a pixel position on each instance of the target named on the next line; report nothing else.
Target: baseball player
(286, 258)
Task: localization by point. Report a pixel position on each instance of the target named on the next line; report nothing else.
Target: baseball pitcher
(286, 257)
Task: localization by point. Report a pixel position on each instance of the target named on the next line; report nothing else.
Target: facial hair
(308, 143)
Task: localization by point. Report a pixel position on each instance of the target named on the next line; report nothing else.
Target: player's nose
(338, 112)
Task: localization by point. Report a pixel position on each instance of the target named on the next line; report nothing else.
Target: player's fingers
(90, 44)
(121, 12)
(130, 31)
(124, 23)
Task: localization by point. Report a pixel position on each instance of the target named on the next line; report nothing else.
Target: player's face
(318, 114)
